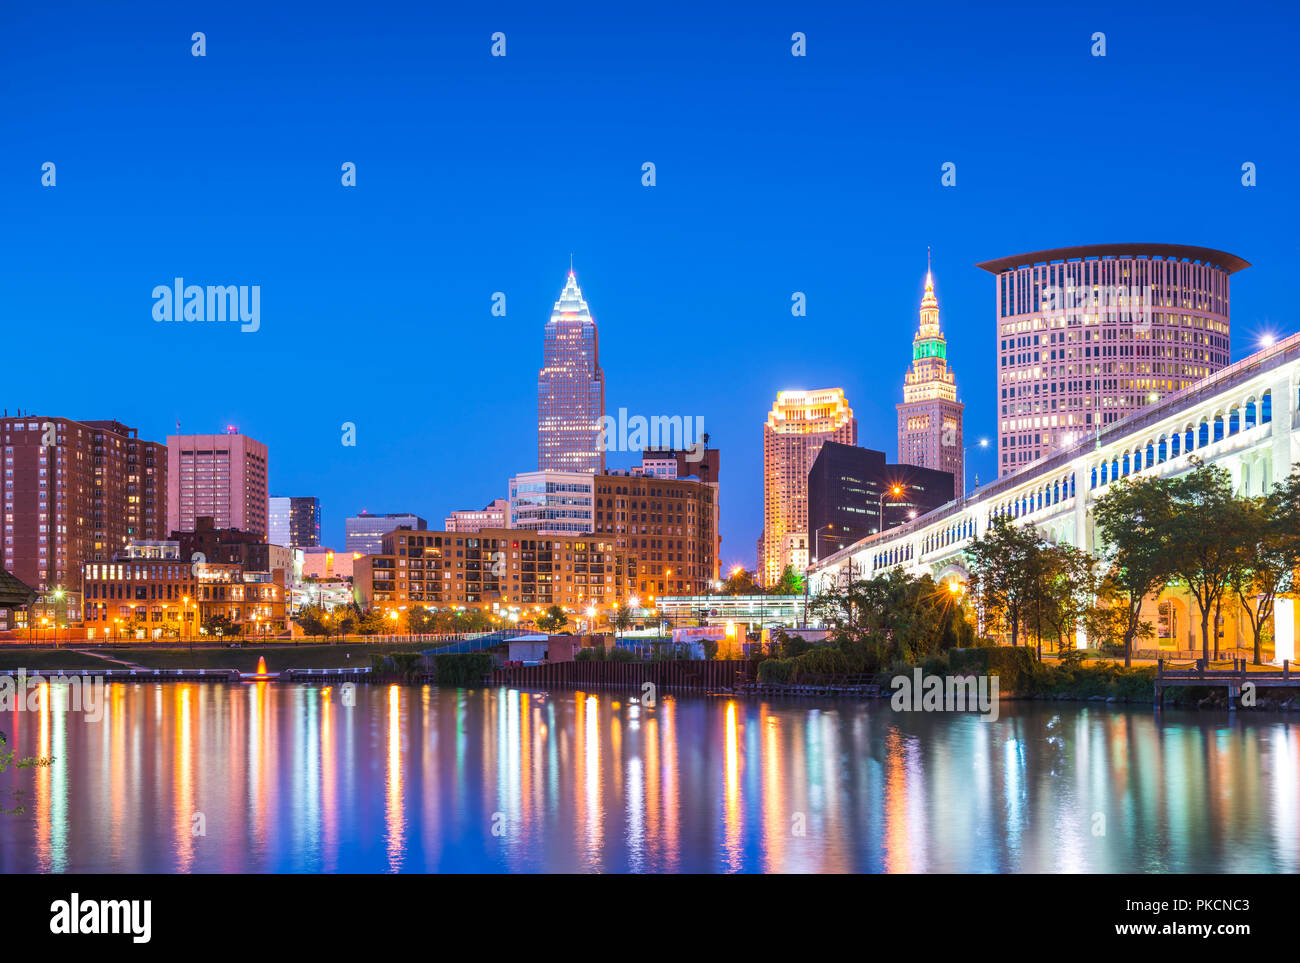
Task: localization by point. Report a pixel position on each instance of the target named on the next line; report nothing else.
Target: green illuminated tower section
(930, 416)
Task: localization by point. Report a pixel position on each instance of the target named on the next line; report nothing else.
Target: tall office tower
(1088, 335)
(930, 416)
(294, 521)
(364, 533)
(277, 520)
(853, 492)
(570, 388)
(793, 434)
(222, 477)
(76, 491)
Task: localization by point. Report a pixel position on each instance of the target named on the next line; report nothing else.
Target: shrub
(776, 671)
(622, 655)
(467, 668)
(1016, 667)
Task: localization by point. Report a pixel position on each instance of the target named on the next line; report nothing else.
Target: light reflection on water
(284, 778)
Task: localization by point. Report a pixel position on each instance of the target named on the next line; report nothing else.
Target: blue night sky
(479, 174)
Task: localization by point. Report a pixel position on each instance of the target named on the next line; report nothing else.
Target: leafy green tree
(1204, 524)
(374, 622)
(1068, 581)
(1270, 548)
(901, 618)
(553, 619)
(419, 619)
(1133, 521)
(220, 625)
(1006, 568)
(790, 583)
(741, 582)
(313, 621)
(622, 618)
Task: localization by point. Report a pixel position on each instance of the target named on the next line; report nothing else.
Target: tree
(373, 622)
(1205, 524)
(1270, 548)
(553, 619)
(313, 620)
(418, 619)
(1133, 522)
(220, 625)
(1068, 583)
(904, 618)
(622, 618)
(790, 583)
(1005, 563)
(741, 582)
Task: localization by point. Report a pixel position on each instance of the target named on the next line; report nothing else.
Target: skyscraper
(793, 434)
(1088, 335)
(76, 491)
(219, 476)
(930, 416)
(294, 521)
(570, 388)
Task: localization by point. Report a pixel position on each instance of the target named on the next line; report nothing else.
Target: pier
(1231, 674)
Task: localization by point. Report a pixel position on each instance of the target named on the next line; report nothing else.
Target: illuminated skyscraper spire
(570, 387)
(930, 416)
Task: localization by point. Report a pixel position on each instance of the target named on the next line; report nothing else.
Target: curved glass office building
(1088, 335)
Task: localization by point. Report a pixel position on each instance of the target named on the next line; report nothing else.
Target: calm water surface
(287, 779)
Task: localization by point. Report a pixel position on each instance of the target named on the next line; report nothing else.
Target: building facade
(669, 526)
(363, 533)
(700, 462)
(853, 492)
(75, 491)
(512, 573)
(294, 521)
(208, 544)
(553, 502)
(796, 427)
(930, 416)
(326, 563)
(220, 476)
(1089, 335)
(570, 388)
(157, 598)
(496, 514)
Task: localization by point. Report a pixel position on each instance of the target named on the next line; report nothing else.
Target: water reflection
(269, 778)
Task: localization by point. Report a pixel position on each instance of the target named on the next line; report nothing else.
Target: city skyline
(693, 276)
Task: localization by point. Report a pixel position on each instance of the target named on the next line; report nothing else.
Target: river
(283, 778)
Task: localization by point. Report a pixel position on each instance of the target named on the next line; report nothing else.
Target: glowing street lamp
(982, 443)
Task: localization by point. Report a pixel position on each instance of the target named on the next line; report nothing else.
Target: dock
(1231, 674)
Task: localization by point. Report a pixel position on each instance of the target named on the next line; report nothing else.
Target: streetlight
(817, 543)
(982, 443)
(894, 490)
